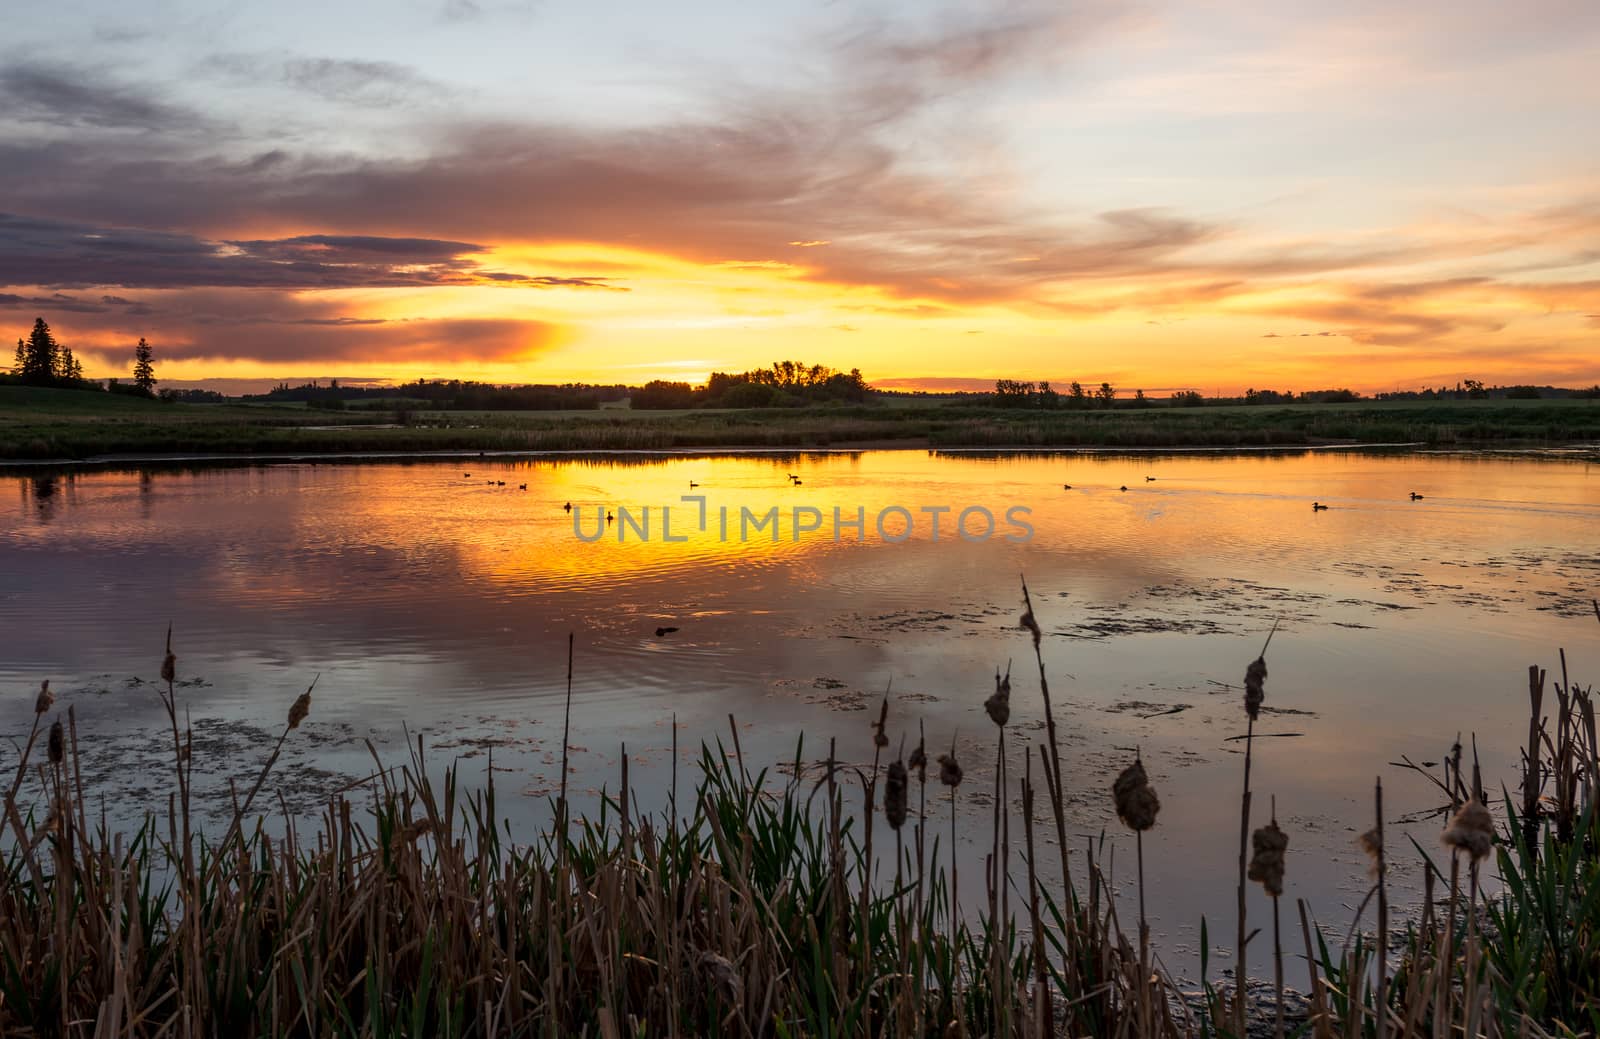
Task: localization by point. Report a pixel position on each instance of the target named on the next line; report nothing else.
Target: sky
(1160, 195)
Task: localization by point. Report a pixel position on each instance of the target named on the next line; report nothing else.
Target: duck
(792, 476)
(1149, 479)
(609, 517)
(467, 475)
(797, 481)
(1124, 487)
(692, 485)
(567, 507)
(1317, 506)
(663, 632)
(1066, 487)
(522, 486)
(1415, 496)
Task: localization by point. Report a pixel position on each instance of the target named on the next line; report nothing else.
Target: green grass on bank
(69, 424)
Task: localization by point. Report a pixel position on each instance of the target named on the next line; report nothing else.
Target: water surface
(432, 602)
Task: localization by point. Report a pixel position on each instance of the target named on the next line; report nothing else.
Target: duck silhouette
(522, 486)
(1415, 496)
(567, 507)
(797, 481)
(1066, 487)
(1149, 479)
(663, 632)
(467, 475)
(610, 518)
(1124, 487)
(692, 485)
(1317, 506)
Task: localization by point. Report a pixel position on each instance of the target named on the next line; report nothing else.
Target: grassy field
(66, 424)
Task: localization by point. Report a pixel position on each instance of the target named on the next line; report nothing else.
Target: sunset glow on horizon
(1160, 195)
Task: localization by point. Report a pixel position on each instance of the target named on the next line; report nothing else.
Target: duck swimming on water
(1317, 506)
(1415, 496)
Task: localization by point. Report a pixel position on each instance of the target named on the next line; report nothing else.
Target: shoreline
(1568, 451)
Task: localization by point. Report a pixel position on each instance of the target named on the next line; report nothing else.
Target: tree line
(783, 384)
(42, 360)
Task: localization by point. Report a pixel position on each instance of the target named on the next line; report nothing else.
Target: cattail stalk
(1254, 694)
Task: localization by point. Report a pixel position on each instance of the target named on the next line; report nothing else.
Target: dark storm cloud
(59, 253)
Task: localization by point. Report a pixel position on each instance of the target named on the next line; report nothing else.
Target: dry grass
(757, 908)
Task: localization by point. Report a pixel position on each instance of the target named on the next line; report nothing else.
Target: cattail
(1372, 846)
(894, 794)
(46, 698)
(299, 710)
(880, 739)
(1266, 864)
(58, 743)
(1255, 687)
(919, 762)
(949, 769)
(1472, 830)
(1031, 624)
(999, 705)
(1136, 800)
(169, 666)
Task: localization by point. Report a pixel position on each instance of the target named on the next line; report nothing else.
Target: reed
(748, 909)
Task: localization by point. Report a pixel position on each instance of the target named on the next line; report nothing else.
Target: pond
(427, 601)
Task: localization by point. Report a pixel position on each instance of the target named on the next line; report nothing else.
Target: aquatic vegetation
(755, 906)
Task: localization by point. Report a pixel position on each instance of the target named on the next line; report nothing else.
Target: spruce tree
(144, 372)
(21, 359)
(39, 357)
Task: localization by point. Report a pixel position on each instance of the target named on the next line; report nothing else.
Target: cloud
(62, 97)
(277, 328)
(345, 81)
(57, 253)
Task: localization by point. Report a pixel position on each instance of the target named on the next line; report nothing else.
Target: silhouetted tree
(68, 367)
(144, 369)
(21, 359)
(1105, 395)
(1079, 398)
(39, 356)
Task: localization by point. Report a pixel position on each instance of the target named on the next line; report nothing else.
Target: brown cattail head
(894, 794)
(169, 665)
(46, 698)
(999, 705)
(1471, 831)
(880, 739)
(1373, 847)
(1266, 860)
(949, 769)
(1255, 687)
(919, 762)
(1029, 623)
(299, 709)
(58, 743)
(1135, 798)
